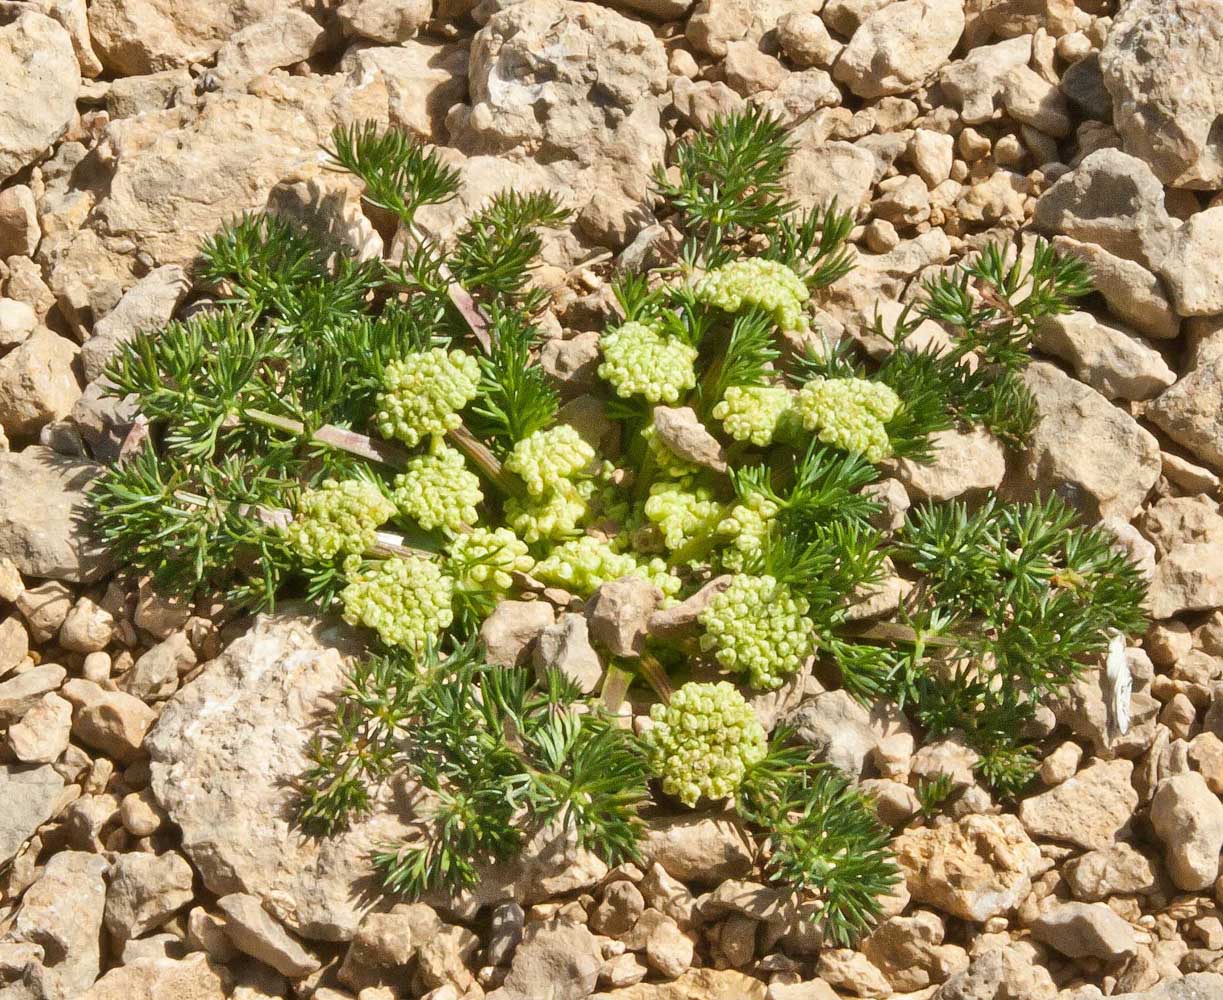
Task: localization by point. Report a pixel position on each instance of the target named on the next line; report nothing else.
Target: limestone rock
(1032, 100)
(1113, 200)
(681, 619)
(1192, 268)
(390, 22)
(192, 978)
(699, 847)
(978, 81)
(1159, 65)
(1000, 972)
(1113, 361)
(110, 721)
(134, 95)
(1189, 578)
(1113, 477)
(900, 46)
(1195, 986)
(424, 80)
(19, 232)
(618, 613)
(910, 952)
(145, 891)
(1115, 870)
(265, 691)
(683, 433)
(62, 912)
(974, 869)
(695, 984)
(282, 39)
(838, 730)
(42, 734)
(255, 932)
(1188, 818)
(1085, 930)
(579, 84)
(43, 516)
(1088, 809)
(559, 959)
(964, 462)
(32, 792)
(566, 647)
(145, 36)
(147, 305)
(20, 693)
(1134, 295)
(509, 633)
(1191, 412)
(819, 174)
(39, 81)
(37, 383)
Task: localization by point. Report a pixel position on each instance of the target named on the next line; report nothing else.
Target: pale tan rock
(1157, 65)
(1175, 521)
(145, 36)
(442, 958)
(1134, 295)
(21, 692)
(1111, 360)
(1008, 970)
(668, 950)
(39, 81)
(618, 613)
(1115, 870)
(932, 154)
(19, 231)
(682, 432)
(42, 734)
(1188, 579)
(256, 933)
(1061, 763)
(156, 671)
(749, 71)
(1085, 930)
(1191, 412)
(1001, 197)
(964, 462)
(390, 22)
(1113, 200)
(699, 848)
(1111, 478)
(619, 909)
(14, 641)
(1192, 269)
(110, 721)
(837, 728)
(134, 95)
(32, 792)
(978, 81)
(144, 891)
(976, 868)
(910, 952)
(17, 322)
(508, 633)
(1032, 100)
(281, 39)
(37, 383)
(87, 628)
(140, 813)
(62, 912)
(192, 978)
(557, 957)
(565, 646)
(819, 174)
(44, 608)
(146, 306)
(900, 46)
(1088, 810)
(805, 40)
(852, 972)
(1188, 818)
(695, 984)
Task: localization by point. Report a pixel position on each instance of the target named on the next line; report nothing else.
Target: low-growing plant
(380, 438)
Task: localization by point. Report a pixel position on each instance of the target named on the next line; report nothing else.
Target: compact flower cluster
(757, 626)
(423, 393)
(407, 601)
(753, 281)
(639, 360)
(753, 413)
(338, 517)
(438, 491)
(850, 413)
(704, 740)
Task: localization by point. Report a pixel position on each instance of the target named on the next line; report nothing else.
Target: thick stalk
(656, 677)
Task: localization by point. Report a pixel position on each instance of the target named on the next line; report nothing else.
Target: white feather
(1120, 683)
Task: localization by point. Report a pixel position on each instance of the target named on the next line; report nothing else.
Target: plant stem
(656, 677)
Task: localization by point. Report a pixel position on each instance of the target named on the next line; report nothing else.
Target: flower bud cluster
(682, 513)
(704, 740)
(482, 560)
(422, 394)
(549, 459)
(582, 564)
(849, 413)
(752, 413)
(438, 491)
(639, 360)
(407, 601)
(754, 281)
(757, 626)
(337, 517)
(747, 528)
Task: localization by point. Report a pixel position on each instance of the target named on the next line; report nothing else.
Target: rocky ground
(148, 748)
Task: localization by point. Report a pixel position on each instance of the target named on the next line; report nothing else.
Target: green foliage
(932, 792)
(287, 382)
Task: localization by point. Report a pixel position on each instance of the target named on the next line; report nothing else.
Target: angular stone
(1192, 268)
(682, 432)
(32, 792)
(701, 848)
(192, 978)
(509, 633)
(255, 932)
(44, 513)
(837, 728)
(900, 46)
(1188, 818)
(1189, 578)
(695, 984)
(37, 383)
(62, 912)
(819, 174)
(1159, 63)
(1113, 200)
(281, 39)
(558, 959)
(974, 869)
(1085, 930)
(1134, 295)
(42, 734)
(147, 305)
(1113, 361)
(978, 80)
(145, 891)
(566, 647)
(1118, 870)
(20, 693)
(19, 232)
(964, 462)
(39, 81)
(618, 612)
(390, 22)
(1113, 477)
(1191, 412)
(1089, 809)
(110, 721)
